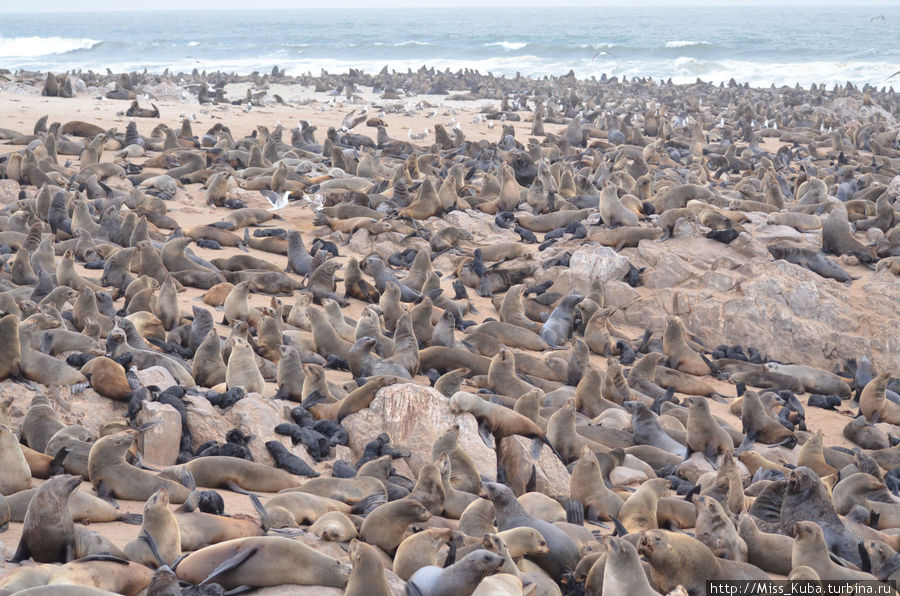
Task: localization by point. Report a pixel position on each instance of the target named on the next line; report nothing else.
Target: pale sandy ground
(20, 112)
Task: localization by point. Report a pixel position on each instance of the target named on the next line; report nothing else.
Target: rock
(254, 416)
(257, 417)
(414, 416)
(360, 241)
(159, 444)
(625, 476)
(692, 468)
(586, 265)
(640, 465)
(685, 228)
(205, 421)
(717, 281)
(156, 375)
(893, 188)
(619, 293)
(776, 232)
(9, 191)
(668, 271)
(551, 477)
(748, 246)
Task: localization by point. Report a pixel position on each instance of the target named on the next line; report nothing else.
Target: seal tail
(263, 514)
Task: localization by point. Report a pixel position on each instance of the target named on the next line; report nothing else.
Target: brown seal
(464, 474)
(354, 401)
(624, 573)
(421, 549)
(386, 525)
(10, 354)
(112, 476)
(460, 578)
(208, 366)
(262, 561)
(500, 421)
(874, 405)
(758, 426)
(160, 524)
(15, 474)
(715, 529)
(681, 356)
(107, 377)
(102, 575)
(367, 576)
(233, 473)
(811, 551)
(589, 487)
(639, 511)
(334, 526)
(769, 552)
(678, 559)
(242, 370)
(48, 533)
(704, 434)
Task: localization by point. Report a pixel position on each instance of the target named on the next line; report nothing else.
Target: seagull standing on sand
(277, 202)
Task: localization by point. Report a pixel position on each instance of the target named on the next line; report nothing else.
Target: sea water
(760, 45)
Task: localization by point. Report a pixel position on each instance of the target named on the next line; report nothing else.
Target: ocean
(759, 45)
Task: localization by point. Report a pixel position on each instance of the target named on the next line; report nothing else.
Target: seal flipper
(68, 550)
(368, 504)
(536, 445)
(22, 552)
(620, 529)
(314, 398)
(532, 480)
(712, 367)
(133, 519)
(484, 431)
(865, 559)
(237, 488)
(574, 512)
(413, 590)
(749, 438)
(232, 563)
(451, 554)
(106, 493)
(56, 466)
(873, 519)
(642, 348)
(187, 479)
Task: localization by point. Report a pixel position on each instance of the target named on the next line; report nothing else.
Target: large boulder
(159, 443)
(551, 476)
(414, 416)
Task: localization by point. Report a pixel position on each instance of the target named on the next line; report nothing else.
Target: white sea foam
(193, 44)
(25, 47)
(507, 45)
(686, 44)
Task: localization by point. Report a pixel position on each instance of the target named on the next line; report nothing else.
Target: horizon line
(343, 5)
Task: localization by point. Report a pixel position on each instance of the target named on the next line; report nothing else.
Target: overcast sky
(104, 5)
